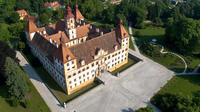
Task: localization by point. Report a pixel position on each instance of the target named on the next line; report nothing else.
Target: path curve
(164, 52)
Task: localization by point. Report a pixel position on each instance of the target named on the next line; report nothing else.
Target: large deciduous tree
(17, 86)
(184, 35)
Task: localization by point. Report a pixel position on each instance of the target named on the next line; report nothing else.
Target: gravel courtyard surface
(131, 90)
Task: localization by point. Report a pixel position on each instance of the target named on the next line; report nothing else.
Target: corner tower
(70, 24)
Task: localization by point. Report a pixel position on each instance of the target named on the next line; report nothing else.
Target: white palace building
(75, 52)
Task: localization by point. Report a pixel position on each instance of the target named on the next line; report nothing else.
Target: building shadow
(128, 110)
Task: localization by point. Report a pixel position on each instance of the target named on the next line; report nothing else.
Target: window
(74, 74)
(83, 75)
(72, 62)
(67, 64)
(69, 76)
(113, 55)
(84, 80)
(73, 67)
(70, 82)
(74, 80)
(75, 84)
(108, 57)
(79, 77)
(97, 63)
(87, 73)
(80, 82)
(83, 69)
(79, 71)
(93, 75)
(88, 78)
(71, 87)
(92, 64)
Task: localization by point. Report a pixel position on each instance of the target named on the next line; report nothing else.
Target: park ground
(37, 103)
(170, 61)
(186, 85)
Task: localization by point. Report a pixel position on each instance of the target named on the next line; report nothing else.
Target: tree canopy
(17, 86)
(184, 35)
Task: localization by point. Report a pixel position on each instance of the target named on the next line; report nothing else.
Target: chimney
(97, 29)
(90, 27)
(50, 40)
(101, 33)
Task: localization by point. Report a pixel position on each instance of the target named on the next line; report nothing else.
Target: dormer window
(82, 62)
(68, 58)
(116, 47)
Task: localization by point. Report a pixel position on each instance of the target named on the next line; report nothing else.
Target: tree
(16, 83)
(184, 35)
(13, 18)
(44, 19)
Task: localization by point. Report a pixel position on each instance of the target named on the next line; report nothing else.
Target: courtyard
(131, 90)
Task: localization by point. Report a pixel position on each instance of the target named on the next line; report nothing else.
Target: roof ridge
(92, 39)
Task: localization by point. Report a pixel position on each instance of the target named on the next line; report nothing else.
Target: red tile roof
(121, 31)
(86, 51)
(31, 27)
(69, 13)
(78, 13)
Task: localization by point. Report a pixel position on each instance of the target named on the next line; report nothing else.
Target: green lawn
(185, 85)
(124, 67)
(131, 44)
(37, 103)
(149, 33)
(55, 88)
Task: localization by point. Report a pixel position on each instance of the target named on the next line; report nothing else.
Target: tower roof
(69, 13)
(78, 13)
(121, 31)
(31, 27)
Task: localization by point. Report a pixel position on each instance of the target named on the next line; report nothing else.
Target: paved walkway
(131, 90)
(133, 39)
(45, 93)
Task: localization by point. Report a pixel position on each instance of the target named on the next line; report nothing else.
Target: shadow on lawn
(194, 79)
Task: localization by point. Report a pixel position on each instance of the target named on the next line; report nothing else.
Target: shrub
(27, 103)
(146, 109)
(20, 46)
(14, 102)
(137, 34)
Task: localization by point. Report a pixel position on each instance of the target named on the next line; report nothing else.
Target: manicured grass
(149, 33)
(55, 88)
(184, 85)
(37, 103)
(124, 67)
(131, 44)
(170, 61)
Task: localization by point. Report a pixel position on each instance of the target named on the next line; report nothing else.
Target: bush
(137, 34)
(146, 109)
(14, 102)
(176, 103)
(27, 103)
(20, 46)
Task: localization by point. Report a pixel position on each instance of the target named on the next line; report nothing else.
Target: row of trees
(12, 76)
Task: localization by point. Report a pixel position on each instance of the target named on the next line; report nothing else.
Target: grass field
(37, 103)
(55, 88)
(131, 44)
(124, 67)
(185, 85)
(148, 34)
